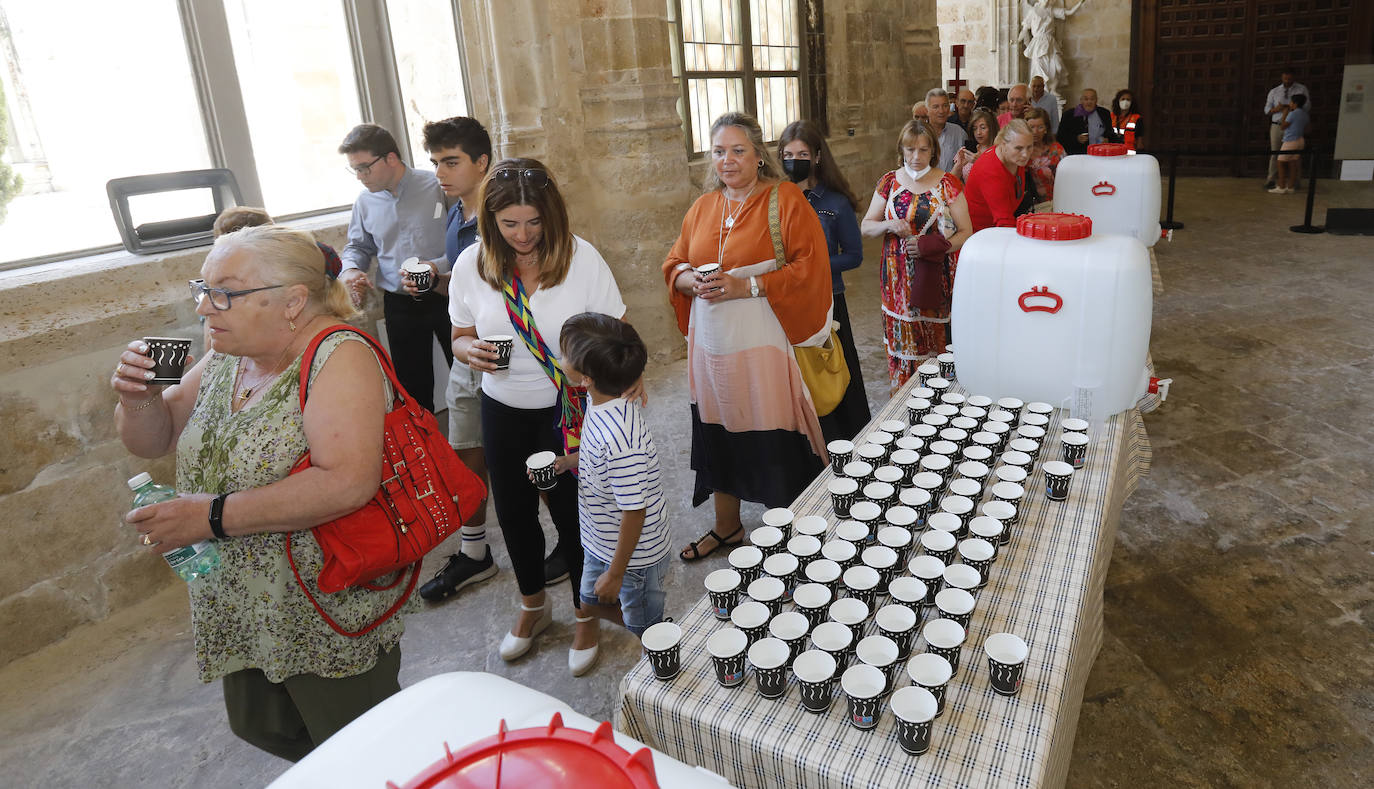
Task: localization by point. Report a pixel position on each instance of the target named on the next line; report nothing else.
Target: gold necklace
(241, 397)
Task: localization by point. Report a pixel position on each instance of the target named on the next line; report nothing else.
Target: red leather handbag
(426, 494)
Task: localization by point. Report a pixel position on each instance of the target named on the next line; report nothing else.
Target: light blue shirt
(1297, 125)
(1050, 105)
(394, 227)
(1096, 132)
(952, 138)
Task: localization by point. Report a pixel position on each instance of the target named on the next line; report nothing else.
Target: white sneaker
(580, 661)
(1278, 190)
(1290, 190)
(513, 646)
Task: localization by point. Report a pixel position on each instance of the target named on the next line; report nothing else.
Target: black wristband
(217, 516)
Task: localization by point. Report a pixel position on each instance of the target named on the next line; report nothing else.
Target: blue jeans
(641, 592)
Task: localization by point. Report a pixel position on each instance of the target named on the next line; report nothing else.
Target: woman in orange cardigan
(755, 435)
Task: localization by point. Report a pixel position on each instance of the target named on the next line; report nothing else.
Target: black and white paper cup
(898, 536)
(791, 628)
(420, 274)
(918, 499)
(504, 344)
(861, 583)
(956, 605)
(913, 709)
(781, 519)
(1007, 655)
(946, 361)
(805, 547)
(939, 544)
(978, 554)
(768, 656)
(929, 570)
(1075, 449)
(989, 529)
(852, 613)
(909, 591)
(1058, 475)
(898, 622)
(815, 673)
(541, 468)
(917, 407)
(826, 571)
(945, 637)
(662, 643)
(1005, 513)
(927, 371)
(842, 552)
(863, 690)
(812, 600)
(723, 586)
(169, 359)
(881, 653)
(843, 492)
(931, 672)
(961, 576)
(836, 640)
(748, 562)
(882, 559)
(751, 617)
(768, 591)
(768, 539)
(841, 452)
(783, 566)
(727, 648)
(811, 526)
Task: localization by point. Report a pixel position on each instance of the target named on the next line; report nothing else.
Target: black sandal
(694, 548)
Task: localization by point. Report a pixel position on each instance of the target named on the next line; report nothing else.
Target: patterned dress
(911, 334)
(249, 612)
(1042, 169)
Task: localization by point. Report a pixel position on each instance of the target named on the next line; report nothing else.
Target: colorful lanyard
(570, 397)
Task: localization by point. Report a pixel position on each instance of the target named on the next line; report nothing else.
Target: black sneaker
(1269, 184)
(555, 568)
(461, 570)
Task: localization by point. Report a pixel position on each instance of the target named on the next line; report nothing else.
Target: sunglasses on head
(530, 176)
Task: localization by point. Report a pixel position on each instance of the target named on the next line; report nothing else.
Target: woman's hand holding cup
(482, 355)
(134, 371)
(899, 228)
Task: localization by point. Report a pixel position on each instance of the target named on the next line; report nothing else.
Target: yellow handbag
(822, 366)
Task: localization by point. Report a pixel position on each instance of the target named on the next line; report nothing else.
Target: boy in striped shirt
(621, 509)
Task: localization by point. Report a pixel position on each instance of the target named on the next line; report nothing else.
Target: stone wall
(1096, 44)
(587, 87)
(1097, 51)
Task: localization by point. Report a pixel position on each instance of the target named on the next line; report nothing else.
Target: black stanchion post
(1169, 223)
(1307, 226)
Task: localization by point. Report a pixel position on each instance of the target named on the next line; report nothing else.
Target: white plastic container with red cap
(1119, 192)
(1054, 311)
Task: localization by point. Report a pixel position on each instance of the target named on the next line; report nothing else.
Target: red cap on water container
(552, 755)
(1108, 149)
(1054, 227)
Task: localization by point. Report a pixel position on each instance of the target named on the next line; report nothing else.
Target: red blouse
(993, 193)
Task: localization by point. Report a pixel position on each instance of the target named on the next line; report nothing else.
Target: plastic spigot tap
(1160, 386)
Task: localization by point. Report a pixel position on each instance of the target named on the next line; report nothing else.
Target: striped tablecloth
(1046, 587)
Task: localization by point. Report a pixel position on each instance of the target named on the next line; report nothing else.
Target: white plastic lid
(139, 480)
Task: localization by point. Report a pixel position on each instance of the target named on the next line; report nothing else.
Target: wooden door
(1204, 67)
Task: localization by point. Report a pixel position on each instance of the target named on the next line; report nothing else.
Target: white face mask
(1125, 104)
(916, 175)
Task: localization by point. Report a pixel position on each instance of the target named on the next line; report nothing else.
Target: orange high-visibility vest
(1125, 128)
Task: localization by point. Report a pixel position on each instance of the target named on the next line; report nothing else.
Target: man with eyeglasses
(400, 215)
(964, 102)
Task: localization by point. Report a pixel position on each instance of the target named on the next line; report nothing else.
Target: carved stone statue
(1042, 49)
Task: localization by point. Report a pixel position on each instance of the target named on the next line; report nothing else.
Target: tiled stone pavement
(1238, 606)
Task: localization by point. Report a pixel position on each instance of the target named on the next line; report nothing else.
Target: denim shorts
(641, 593)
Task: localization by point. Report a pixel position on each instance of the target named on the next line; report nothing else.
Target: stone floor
(1239, 604)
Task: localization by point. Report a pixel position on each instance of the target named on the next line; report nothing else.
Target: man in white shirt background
(1274, 105)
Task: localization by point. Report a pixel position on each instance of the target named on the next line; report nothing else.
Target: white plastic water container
(1053, 311)
(1120, 193)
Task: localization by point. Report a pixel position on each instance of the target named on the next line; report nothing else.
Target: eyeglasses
(364, 169)
(220, 298)
(532, 177)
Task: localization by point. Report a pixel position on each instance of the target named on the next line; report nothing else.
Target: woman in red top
(996, 184)
(1126, 117)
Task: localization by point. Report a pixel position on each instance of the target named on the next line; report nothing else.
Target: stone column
(588, 89)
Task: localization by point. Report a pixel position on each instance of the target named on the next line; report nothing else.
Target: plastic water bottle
(190, 562)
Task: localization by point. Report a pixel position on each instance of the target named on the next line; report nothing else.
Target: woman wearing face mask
(982, 131)
(996, 185)
(920, 212)
(1126, 117)
(807, 161)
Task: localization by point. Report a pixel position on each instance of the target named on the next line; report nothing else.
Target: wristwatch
(754, 287)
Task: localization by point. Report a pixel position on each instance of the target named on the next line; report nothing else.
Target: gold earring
(291, 323)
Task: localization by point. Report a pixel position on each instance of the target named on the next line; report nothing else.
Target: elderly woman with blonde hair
(236, 427)
(755, 435)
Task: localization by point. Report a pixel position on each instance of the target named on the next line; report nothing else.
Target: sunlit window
(719, 73)
(428, 66)
(81, 106)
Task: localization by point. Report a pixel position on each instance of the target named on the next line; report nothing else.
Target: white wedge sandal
(580, 661)
(513, 646)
